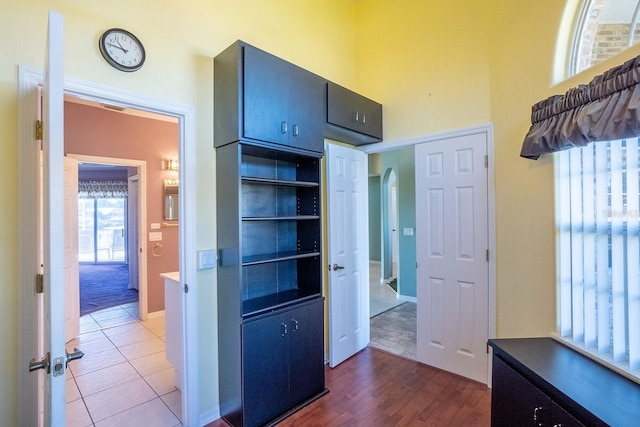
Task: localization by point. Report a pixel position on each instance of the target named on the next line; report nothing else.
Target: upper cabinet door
(306, 110)
(352, 117)
(266, 97)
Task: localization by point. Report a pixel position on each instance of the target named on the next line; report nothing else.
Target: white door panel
(453, 273)
(71, 268)
(348, 252)
(53, 223)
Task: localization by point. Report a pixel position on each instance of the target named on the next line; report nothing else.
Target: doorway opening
(392, 293)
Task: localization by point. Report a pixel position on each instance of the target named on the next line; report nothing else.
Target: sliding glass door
(102, 229)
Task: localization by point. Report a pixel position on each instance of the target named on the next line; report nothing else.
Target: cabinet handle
(537, 416)
(364, 119)
(356, 117)
(283, 329)
(283, 127)
(295, 130)
(295, 325)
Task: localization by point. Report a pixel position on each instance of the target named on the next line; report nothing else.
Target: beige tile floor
(124, 378)
(393, 321)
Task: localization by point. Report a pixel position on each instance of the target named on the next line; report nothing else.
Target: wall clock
(122, 50)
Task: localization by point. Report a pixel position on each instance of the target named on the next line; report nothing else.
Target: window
(603, 29)
(598, 227)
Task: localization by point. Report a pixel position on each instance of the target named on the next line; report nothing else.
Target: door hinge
(486, 161)
(487, 348)
(487, 255)
(38, 130)
(39, 283)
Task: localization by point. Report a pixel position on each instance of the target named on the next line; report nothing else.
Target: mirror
(170, 199)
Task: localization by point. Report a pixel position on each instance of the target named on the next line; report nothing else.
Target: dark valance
(608, 108)
(102, 189)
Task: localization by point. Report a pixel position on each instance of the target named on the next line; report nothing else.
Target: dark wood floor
(375, 388)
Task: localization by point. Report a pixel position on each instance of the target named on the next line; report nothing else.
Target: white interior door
(132, 231)
(71, 268)
(348, 224)
(452, 243)
(53, 224)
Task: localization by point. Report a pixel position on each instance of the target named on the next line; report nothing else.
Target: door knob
(43, 364)
(337, 267)
(77, 354)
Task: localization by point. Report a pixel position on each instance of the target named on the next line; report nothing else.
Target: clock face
(122, 49)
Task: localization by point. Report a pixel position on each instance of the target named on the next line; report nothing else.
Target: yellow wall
(181, 39)
(436, 66)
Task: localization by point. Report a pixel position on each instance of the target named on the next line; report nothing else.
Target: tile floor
(123, 378)
(381, 296)
(394, 331)
(393, 321)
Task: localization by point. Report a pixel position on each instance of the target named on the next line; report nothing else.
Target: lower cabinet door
(514, 400)
(560, 417)
(306, 356)
(265, 369)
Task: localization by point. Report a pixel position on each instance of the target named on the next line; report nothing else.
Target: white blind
(598, 213)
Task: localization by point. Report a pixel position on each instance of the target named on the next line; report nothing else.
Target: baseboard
(159, 313)
(210, 416)
(406, 298)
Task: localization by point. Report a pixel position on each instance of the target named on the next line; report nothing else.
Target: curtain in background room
(607, 108)
(102, 189)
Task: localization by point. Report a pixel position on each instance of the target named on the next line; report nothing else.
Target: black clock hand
(117, 47)
(123, 49)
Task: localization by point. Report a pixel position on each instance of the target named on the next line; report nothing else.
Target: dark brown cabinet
(290, 344)
(270, 304)
(517, 402)
(541, 382)
(352, 117)
(264, 99)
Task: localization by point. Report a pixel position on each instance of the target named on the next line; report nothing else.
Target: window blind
(599, 251)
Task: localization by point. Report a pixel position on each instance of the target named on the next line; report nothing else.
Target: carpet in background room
(103, 286)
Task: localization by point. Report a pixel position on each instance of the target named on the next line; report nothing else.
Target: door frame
(141, 165)
(487, 130)
(29, 80)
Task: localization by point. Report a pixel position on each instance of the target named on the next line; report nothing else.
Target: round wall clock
(122, 49)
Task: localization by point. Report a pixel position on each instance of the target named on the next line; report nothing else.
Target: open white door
(132, 232)
(71, 268)
(53, 225)
(451, 247)
(348, 222)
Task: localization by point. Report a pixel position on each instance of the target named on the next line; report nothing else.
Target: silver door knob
(337, 267)
(77, 354)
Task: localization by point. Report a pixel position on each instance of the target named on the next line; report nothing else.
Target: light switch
(155, 236)
(407, 231)
(155, 226)
(207, 259)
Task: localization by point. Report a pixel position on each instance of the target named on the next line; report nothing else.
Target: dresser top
(572, 379)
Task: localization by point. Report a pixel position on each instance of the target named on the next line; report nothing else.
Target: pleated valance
(102, 189)
(608, 108)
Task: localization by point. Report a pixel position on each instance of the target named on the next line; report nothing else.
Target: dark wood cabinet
(541, 382)
(264, 99)
(270, 304)
(352, 117)
(517, 402)
(287, 342)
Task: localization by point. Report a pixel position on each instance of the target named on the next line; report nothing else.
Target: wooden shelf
(284, 183)
(282, 256)
(282, 218)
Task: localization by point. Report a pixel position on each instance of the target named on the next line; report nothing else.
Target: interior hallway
(393, 321)
(124, 378)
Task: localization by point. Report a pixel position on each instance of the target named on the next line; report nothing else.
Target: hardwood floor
(375, 388)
